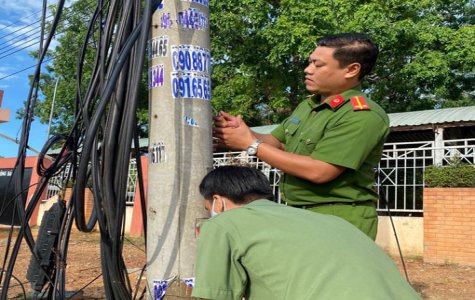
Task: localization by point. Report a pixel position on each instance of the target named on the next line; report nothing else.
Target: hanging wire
(99, 146)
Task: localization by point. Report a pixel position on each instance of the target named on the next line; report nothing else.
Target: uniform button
(286, 130)
(308, 141)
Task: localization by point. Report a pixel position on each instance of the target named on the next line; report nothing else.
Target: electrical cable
(20, 284)
(27, 31)
(20, 164)
(100, 140)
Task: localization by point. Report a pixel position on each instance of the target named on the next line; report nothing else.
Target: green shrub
(454, 175)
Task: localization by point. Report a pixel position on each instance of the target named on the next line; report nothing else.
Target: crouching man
(255, 248)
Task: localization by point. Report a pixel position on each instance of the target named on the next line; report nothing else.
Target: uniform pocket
(307, 145)
(291, 128)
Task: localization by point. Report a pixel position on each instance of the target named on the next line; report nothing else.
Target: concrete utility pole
(180, 147)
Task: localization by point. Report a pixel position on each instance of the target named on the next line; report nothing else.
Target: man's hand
(232, 132)
(223, 120)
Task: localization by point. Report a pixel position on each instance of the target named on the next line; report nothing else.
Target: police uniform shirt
(347, 130)
(269, 251)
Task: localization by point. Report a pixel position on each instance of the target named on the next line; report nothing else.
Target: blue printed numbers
(192, 18)
(191, 85)
(190, 59)
(166, 20)
(155, 76)
(202, 2)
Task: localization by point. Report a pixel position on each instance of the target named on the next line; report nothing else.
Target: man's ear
(353, 70)
(218, 203)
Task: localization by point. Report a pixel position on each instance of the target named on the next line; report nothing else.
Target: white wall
(410, 233)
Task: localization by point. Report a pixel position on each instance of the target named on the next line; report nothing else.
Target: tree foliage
(64, 68)
(260, 49)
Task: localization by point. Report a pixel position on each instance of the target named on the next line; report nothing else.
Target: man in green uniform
(329, 146)
(258, 249)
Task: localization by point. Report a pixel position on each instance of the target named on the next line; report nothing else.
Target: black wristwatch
(252, 149)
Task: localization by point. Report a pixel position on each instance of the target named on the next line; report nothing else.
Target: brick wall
(449, 225)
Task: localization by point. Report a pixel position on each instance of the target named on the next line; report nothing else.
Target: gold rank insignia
(359, 103)
(336, 101)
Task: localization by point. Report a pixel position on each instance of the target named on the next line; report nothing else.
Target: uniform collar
(333, 102)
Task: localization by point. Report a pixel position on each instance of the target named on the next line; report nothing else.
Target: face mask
(212, 212)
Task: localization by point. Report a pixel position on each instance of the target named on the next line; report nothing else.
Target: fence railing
(400, 173)
(57, 183)
(242, 158)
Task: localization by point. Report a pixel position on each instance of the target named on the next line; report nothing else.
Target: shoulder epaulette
(336, 101)
(359, 103)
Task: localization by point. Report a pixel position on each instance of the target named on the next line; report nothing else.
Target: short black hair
(351, 48)
(237, 183)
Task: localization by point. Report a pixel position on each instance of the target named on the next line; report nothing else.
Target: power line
(71, 13)
(24, 27)
(19, 20)
(22, 70)
(11, 42)
(11, 47)
(20, 49)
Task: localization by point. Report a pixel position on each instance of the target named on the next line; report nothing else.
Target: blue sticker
(190, 121)
(155, 76)
(190, 282)
(190, 58)
(159, 289)
(192, 18)
(191, 85)
(166, 20)
(202, 2)
(159, 6)
(295, 120)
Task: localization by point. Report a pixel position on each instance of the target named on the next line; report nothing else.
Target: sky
(19, 28)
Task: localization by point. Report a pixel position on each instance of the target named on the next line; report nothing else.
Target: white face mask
(212, 212)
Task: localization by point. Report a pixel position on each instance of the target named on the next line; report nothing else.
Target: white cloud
(21, 8)
(5, 71)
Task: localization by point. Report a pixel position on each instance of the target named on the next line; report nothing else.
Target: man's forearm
(269, 139)
(297, 165)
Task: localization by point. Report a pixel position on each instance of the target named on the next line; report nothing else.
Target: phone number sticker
(158, 47)
(155, 76)
(189, 58)
(191, 85)
(192, 18)
(202, 2)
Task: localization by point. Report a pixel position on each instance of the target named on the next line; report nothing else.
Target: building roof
(433, 116)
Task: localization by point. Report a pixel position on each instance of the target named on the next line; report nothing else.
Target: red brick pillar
(449, 225)
(136, 225)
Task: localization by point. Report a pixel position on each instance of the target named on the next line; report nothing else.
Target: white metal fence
(242, 158)
(56, 183)
(400, 173)
(401, 170)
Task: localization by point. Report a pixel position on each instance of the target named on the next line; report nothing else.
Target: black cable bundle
(99, 147)
(115, 83)
(23, 213)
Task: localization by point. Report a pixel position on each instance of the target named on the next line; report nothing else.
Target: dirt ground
(435, 282)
